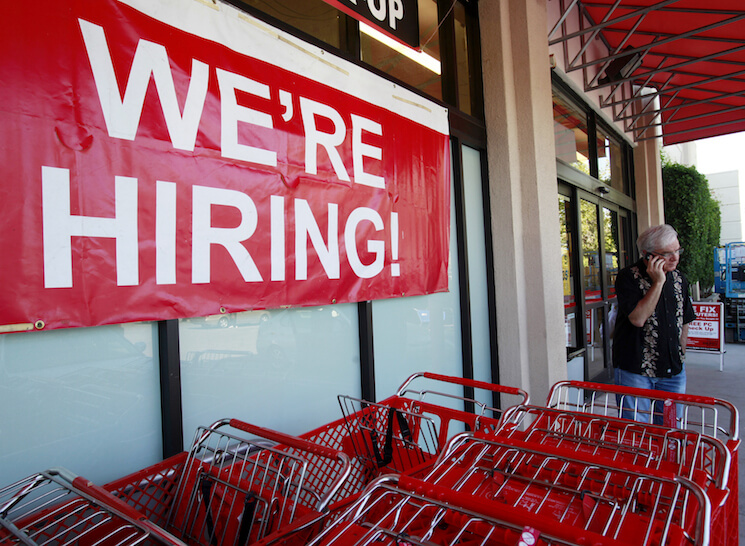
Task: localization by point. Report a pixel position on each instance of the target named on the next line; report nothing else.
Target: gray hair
(656, 237)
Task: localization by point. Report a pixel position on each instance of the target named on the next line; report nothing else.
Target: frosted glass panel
(419, 334)
(86, 399)
(415, 334)
(477, 281)
(280, 369)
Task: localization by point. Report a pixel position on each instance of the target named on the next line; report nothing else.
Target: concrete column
(650, 204)
(523, 194)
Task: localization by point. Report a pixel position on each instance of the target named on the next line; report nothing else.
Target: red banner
(178, 159)
(706, 333)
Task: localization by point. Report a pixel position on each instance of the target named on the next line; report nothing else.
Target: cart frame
(56, 507)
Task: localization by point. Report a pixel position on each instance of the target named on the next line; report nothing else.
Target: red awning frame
(689, 54)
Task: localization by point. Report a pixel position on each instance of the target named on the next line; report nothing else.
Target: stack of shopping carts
(437, 463)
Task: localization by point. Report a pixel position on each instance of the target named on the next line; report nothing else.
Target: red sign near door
(706, 333)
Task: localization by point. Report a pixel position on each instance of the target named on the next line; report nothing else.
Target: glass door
(613, 248)
(592, 286)
(604, 252)
(572, 324)
(568, 272)
(595, 245)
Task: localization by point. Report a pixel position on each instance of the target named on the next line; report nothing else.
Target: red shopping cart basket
(702, 459)
(703, 414)
(230, 489)
(695, 456)
(709, 416)
(56, 507)
(616, 500)
(410, 427)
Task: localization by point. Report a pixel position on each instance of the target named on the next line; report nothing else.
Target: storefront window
(280, 369)
(87, 399)
(585, 142)
(477, 281)
(570, 134)
(420, 333)
(420, 69)
(610, 162)
(314, 17)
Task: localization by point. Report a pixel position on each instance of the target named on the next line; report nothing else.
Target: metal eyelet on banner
(39, 324)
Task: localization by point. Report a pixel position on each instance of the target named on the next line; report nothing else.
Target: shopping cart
(231, 489)
(705, 415)
(411, 427)
(398, 510)
(699, 458)
(710, 416)
(56, 507)
(616, 500)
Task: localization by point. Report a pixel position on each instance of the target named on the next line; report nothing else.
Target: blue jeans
(638, 408)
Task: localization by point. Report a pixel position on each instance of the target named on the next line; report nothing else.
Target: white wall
(722, 160)
(685, 153)
(727, 189)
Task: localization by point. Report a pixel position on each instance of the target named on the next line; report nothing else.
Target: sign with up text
(398, 19)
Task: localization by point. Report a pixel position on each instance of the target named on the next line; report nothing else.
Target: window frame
(596, 126)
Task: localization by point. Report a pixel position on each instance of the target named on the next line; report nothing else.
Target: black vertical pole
(170, 387)
(367, 357)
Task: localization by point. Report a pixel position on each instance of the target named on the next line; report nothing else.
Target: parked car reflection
(277, 338)
(228, 320)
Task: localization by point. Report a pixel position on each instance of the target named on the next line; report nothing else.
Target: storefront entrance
(595, 245)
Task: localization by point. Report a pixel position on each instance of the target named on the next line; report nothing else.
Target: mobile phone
(649, 256)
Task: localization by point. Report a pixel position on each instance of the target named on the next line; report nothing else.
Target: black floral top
(654, 349)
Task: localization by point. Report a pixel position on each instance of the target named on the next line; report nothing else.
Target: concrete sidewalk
(704, 378)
